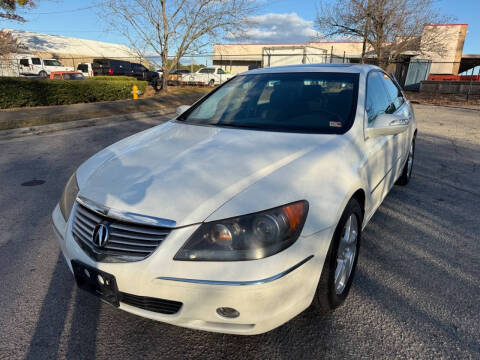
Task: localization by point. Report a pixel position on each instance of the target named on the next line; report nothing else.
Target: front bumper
(266, 292)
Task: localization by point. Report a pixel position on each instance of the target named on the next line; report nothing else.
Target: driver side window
(378, 101)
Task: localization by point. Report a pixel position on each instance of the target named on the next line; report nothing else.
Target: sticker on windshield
(335, 124)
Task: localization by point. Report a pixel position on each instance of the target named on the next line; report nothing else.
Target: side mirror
(181, 109)
(386, 124)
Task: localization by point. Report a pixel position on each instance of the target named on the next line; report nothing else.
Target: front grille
(126, 242)
(151, 304)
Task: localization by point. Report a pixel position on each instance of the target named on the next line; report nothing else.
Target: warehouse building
(413, 66)
(70, 51)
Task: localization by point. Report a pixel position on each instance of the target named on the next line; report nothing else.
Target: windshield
(52, 63)
(297, 102)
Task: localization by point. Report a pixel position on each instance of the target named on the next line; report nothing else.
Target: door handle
(397, 122)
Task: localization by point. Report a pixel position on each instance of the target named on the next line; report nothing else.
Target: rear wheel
(42, 74)
(211, 83)
(341, 260)
(407, 169)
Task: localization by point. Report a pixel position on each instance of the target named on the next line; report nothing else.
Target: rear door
(121, 67)
(100, 66)
(380, 149)
(37, 65)
(25, 66)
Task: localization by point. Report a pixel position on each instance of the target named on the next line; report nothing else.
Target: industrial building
(70, 51)
(412, 66)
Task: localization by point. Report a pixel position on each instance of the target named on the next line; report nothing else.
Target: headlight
(248, 237)
(68, 197)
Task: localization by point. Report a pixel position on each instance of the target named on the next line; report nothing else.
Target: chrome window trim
(239, 283)
(125, 215)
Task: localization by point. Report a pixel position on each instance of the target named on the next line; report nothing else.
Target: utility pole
(365, 31)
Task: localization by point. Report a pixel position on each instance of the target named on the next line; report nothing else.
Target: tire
(407, 168)
(330, 293)
(43, 74)
(211, 83)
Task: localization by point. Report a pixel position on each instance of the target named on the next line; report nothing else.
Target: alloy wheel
(347, 249)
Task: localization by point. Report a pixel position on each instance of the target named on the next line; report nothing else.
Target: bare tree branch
(180, 27)
(390, 27)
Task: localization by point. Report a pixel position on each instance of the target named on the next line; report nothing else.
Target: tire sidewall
(409, 173)
(353, 207)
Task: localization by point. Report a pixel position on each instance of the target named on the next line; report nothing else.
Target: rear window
(207, 71)
(24, 62)
(295, 102)
(83, 68)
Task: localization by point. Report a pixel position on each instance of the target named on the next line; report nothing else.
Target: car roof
(65, 72)
(344, 68)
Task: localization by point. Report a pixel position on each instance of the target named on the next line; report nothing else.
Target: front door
(381, 149)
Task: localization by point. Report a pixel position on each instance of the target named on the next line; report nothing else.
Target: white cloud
(277, 28)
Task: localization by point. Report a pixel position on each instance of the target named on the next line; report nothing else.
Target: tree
(390, 27)
(8, 9)
(181, 27)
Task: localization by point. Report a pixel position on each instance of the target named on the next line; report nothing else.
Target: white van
(85, 69)
(31, 65)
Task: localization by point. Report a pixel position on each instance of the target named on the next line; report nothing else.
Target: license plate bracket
(96, 282)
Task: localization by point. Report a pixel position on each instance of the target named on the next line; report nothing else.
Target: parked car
(85, 68)
(113, 67)
(175, 76)
(66, 75)
(31, 65)
(208, 76)
(246, 208)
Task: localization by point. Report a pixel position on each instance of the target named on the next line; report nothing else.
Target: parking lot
(416, 292)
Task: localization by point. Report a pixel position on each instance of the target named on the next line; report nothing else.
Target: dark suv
(120, 67)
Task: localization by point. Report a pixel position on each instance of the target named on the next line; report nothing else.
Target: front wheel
(43, 74)
(341, 260)
(407, 169)
(211, 83)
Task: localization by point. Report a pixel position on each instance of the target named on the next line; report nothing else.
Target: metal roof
(62, 45)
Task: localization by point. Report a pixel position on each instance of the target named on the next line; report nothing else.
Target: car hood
(185, 172)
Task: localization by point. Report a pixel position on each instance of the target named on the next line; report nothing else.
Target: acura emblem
(100, 235)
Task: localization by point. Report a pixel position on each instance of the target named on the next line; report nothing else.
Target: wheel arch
(359, 195)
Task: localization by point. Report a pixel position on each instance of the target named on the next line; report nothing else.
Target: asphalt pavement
(416, 292)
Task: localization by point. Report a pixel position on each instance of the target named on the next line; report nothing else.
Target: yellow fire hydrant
(135, 92)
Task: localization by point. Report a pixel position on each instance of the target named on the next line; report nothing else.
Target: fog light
(228, 312)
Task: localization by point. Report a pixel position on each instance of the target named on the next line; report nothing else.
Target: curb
(146, 116)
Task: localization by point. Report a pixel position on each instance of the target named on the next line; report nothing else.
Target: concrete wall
(450, 87)
(254, 51)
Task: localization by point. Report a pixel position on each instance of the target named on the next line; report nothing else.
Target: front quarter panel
(326, 177)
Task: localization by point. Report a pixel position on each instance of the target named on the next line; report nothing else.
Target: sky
(278, 21)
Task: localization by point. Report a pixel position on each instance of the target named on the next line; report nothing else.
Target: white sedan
(246, 208)
(210, 76)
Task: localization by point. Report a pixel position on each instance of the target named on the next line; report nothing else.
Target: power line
(61, 12)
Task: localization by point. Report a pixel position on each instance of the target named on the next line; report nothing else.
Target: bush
(112, 78)
(19, 92)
